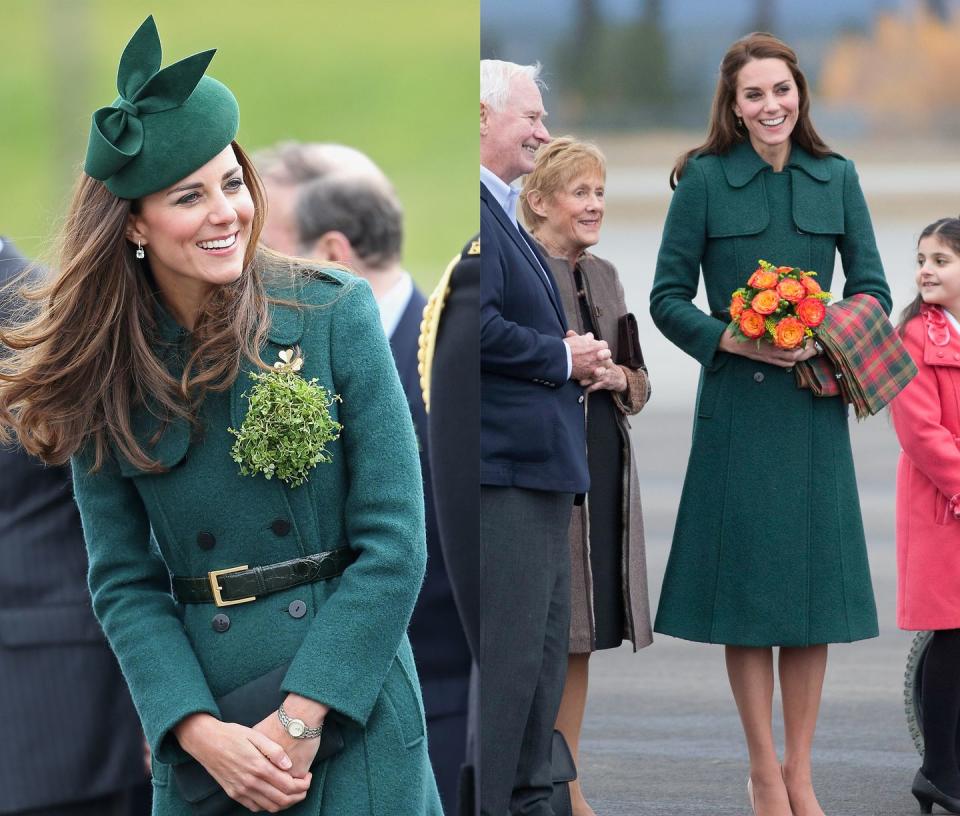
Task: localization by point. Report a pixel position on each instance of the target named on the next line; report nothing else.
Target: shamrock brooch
(288, 424)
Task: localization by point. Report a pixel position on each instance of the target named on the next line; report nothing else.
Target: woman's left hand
(300, 751)
(609, 376)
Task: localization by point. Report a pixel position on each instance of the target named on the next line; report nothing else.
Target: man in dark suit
(71, 742)
(533, 459)
(352, 216)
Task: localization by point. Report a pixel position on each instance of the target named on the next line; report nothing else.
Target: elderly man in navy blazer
(533, 458)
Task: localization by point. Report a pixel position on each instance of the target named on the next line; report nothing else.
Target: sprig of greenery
(287, 427)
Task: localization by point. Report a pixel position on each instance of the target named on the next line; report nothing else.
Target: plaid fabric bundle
(865, 362)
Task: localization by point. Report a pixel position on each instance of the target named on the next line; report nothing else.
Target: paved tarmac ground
(661, 734)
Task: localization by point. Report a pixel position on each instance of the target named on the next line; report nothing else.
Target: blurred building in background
(875, 65)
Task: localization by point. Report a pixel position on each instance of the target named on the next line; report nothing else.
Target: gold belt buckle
(215, 587)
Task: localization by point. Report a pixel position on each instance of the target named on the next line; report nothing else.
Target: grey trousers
(525, 592)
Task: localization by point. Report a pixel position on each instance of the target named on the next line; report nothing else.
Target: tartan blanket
(864, 361)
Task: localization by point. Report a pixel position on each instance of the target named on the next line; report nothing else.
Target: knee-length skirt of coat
(769, 546)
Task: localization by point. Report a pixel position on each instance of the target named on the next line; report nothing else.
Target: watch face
(296, 728)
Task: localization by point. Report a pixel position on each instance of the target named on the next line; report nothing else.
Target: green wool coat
(350, 650)
(769, 546)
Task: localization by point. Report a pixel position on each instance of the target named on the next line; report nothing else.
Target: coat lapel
(525, 244)
(286, 329)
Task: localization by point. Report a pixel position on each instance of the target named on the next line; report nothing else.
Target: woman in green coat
(221, 551)
(769, 547)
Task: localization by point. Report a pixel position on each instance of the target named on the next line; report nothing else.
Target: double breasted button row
(207, 541)
(221, 622)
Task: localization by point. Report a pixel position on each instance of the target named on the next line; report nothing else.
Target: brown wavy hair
(947, 230)
(82, 356)
(723, 132)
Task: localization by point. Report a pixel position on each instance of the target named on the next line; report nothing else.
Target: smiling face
(768, 101)
(572, 215)
(195, 233)
(938, 273)
(509, 138)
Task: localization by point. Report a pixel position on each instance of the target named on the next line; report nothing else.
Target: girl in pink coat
(927, 418)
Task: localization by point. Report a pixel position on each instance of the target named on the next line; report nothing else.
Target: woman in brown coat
(562, 205)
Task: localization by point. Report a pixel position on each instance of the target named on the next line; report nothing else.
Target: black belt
(236, 585)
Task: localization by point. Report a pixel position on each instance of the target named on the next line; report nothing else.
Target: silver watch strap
(308, 733)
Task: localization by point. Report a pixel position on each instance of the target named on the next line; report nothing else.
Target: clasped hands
(593, 365)
(262, 768)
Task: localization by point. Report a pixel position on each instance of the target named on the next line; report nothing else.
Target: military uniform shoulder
(471, 249)
(468, 259)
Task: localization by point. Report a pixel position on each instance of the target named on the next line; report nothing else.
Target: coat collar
(941, 345)
(742, 163)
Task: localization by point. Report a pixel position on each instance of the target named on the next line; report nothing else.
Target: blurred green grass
(397, 80)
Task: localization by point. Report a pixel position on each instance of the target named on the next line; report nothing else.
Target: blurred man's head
(511, 118)
(285, 167)
(351, 218)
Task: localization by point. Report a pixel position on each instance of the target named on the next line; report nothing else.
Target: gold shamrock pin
(290, 360)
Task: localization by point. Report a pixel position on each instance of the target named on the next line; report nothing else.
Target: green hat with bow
(164, 125)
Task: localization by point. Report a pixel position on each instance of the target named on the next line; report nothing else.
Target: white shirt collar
(394, 302)
(505, 195)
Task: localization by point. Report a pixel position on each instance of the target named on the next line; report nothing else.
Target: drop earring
(140, 253)
(739, 123)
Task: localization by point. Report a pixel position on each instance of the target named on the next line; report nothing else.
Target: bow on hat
(116, 137)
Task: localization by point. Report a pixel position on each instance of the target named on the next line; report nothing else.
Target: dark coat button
(206, 541)
(758, 376)
(297, 609)
(220, 623)
(280, 526)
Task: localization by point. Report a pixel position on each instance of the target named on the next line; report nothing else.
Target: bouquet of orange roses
(780, 303)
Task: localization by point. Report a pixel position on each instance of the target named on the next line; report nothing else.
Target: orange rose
(736, 307)
(752, 324)
(784, 270)
(789, 333)
(811, 311)
(763, 279)
(765, 302)
(792, 290)
(810, 285)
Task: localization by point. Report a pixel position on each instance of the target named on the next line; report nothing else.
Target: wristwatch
(297, 728)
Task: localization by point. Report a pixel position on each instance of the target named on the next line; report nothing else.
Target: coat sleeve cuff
(637, 394)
